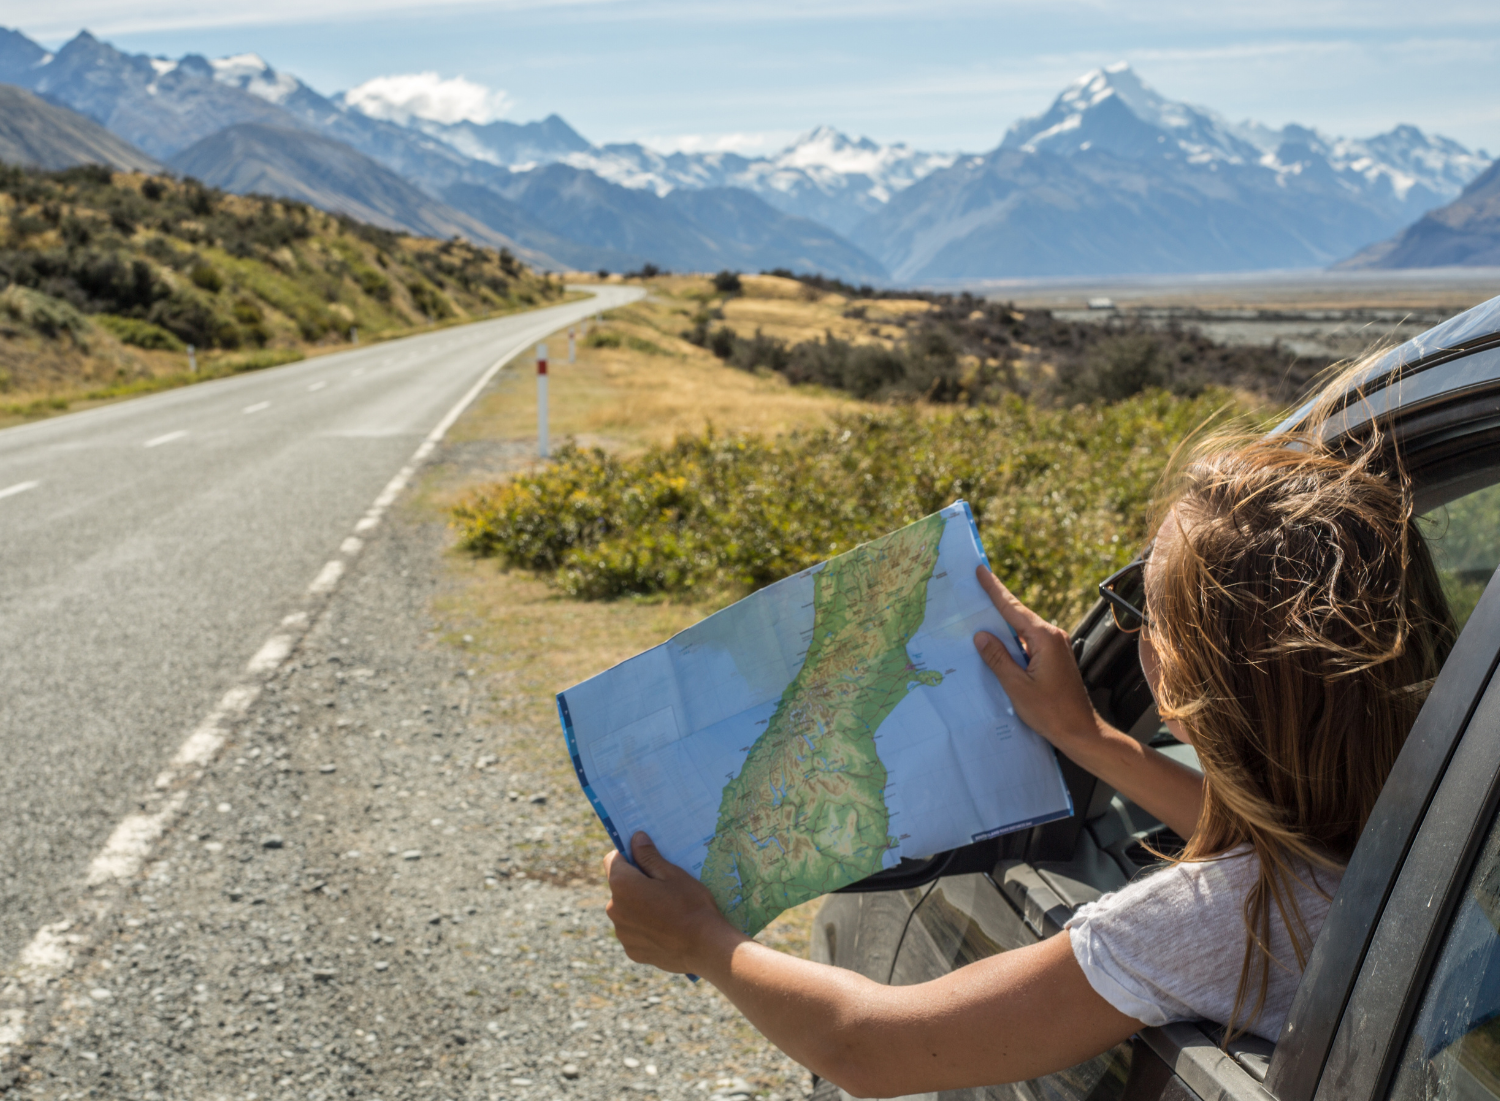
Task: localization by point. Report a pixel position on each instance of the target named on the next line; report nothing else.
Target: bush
(143, 334)
(1060, 496)
(43, 314)
(208, 277)
(728, 282)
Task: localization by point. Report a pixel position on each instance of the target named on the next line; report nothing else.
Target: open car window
(1464, 536)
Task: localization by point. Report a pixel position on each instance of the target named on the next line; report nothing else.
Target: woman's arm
(1014, 1016)
(1049, 696)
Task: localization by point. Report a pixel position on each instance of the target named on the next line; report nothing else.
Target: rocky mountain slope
(1113, 178)
(253, 158)
(287, 139)
(39, 134)
(1465, 232)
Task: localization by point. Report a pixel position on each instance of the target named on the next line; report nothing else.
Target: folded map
(819, 730)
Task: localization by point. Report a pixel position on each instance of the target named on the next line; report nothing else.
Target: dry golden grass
(629, 397)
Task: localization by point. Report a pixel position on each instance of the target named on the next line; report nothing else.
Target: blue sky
(941, 74)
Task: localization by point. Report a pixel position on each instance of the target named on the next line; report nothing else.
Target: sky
(936, 74)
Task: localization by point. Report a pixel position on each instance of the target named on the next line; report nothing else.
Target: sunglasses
(1125, 590)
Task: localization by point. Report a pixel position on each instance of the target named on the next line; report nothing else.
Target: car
(1400, 998)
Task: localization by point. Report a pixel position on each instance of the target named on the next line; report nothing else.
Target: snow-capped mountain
(1113, 110)
(823, 175)
(1115, 178)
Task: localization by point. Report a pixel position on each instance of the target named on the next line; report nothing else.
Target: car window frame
(1450, 824)
(1443, 447)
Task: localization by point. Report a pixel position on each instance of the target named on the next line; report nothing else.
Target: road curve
(149, 547)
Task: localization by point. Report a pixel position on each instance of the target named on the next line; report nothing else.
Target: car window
(1454, 1047)
(1465, 539)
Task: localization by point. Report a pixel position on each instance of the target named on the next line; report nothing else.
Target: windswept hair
(1299, 623)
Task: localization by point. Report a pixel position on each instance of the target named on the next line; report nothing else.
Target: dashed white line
(19, 487)
(327, 578)
(52, 950)
(257, 407)
(316, 386)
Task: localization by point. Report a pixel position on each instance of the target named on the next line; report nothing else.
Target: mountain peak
(253, 74)
(1114, 110)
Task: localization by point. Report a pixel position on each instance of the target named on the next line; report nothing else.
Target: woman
(1290, 622)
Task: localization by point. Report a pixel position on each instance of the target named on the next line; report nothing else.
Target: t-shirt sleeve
(1165, 948)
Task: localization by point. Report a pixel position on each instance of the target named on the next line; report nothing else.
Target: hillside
(39, 134)
(106, 277)
(253, 158)
(1466, 233)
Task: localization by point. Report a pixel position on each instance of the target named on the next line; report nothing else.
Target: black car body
(1401, 995)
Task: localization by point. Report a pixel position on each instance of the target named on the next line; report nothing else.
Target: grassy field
(106, 279)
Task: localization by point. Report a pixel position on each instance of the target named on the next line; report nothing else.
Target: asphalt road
(148, 549)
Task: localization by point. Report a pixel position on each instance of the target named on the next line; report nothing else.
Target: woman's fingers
(1020, 617)
(998, 658)
(648, 858)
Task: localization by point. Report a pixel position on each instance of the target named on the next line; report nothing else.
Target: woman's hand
(662, 915)
(1048, 694)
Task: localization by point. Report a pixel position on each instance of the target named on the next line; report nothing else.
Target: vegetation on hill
(1060, 488)
(972, 351)
(105, 278)
(1059, 494)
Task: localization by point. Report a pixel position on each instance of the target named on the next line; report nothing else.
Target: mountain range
(1112, 178)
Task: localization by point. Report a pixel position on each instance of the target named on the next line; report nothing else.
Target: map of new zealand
(819, 730)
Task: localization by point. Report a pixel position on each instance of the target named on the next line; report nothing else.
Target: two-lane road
(148, 548)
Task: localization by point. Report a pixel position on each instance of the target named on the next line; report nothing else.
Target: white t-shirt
(1170, 946)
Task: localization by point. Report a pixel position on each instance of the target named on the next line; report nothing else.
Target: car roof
(1403, 377)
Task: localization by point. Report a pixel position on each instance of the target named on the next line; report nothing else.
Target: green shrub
(143, 334)
(207, 276)
(1060, 496)
(41, 313)
(602, 338)
(728, 282)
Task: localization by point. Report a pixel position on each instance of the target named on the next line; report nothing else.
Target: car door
(1039, 878)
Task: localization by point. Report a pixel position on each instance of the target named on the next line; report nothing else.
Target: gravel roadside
(358, 900)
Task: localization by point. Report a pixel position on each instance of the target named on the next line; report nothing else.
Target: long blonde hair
(1298, 620)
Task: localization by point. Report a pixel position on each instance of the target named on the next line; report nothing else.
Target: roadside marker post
(572, 347)
(541, 400)
(192, 360)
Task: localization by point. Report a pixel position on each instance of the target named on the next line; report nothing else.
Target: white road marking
(270, 655)
(316, 386)
(131, 842)
(327, 578)
(352, 546)
(53, 949)
(257, 407)
(356, 372)
(19, 487)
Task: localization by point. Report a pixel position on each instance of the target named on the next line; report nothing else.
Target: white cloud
(405, 96)
(748, 144)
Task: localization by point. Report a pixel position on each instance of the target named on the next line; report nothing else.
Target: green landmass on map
(807, 812)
